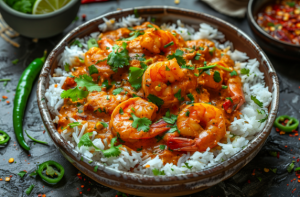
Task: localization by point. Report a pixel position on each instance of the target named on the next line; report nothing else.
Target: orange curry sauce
(281, 20)
(149, 48)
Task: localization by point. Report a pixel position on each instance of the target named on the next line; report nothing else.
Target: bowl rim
(38, 16)
(46, 117)
(259, 29)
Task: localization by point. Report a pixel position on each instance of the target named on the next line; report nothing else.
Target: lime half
(47, 6)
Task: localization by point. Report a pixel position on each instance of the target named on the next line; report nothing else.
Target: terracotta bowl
(183, 184)
(268, 43)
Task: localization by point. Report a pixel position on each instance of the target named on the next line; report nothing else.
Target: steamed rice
(244, 128)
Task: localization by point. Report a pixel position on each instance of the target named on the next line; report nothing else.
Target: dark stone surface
(243, 184)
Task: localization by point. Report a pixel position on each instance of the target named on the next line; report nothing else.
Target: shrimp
(165, 79)
(154, 40)
(122, 120)
(203, 122)
(236, 93)
(96, 56)
(102, 102)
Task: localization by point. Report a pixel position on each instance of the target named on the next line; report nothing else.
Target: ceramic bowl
(183, 184)
(268, 43)
(40, 26)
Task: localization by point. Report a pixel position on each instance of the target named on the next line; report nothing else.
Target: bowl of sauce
(276, 26)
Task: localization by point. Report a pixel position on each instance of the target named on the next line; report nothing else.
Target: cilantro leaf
(74, 94)
(156, 172)
(24, 6)
(188, 67)
(28, 190)
(191, 97)
(119, 138)
(135, 77)
(173, 129)
(187, 166)
(95, 169)
(233, 73)
(224, 87)
(106, 85)
(22, 173)
(217, 76)
(141, 124)
(158, 138)
(87, 81)
(93, 70)
(187, 114)
(162, 147)
(117, 91)
(104, 124)
(170, 118)
(169, 44)
(178, 95)
(67, 67)
(113, 151)
(256, 101)
(156, 100)
(77, 42)
(178, 55)
(119, 57)
(230, 99)
(86, 141)
(135, 35)
(245, 71)
(197, 56)
(121, 111)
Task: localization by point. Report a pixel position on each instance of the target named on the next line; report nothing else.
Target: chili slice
(290, 126)
(4, 138)
(22, 93)
(50, 172)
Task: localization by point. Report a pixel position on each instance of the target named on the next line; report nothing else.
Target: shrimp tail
(181, 144)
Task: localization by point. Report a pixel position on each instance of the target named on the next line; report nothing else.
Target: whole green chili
(4, 138)
(51, 172)
(290, 126)
(22, 93)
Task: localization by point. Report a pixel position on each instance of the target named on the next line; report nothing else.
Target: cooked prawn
(121, 120)
(203, 122)
(164, 79)
(236, 93)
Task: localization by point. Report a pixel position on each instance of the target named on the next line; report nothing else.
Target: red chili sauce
(281, 20)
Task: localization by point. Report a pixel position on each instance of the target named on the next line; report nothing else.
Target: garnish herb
(197, 56)
(224, 87)
(245, 71)
(92, 42)
(156, 172)
(121, 111)
(212, 50)
(187, 166)
(67, 67)
(87, 81)
(113, 151)
(106, 85)
(76, 42)
(178, 55)
(139, 149)
(22, 174)
(191, 97)
(187, 114)
(134, 36)
(119, 57)
(158, 138)
(93, 70)
(167, 68)
(170, 118)
(135, 77)
(162, 147)
(156, 100)
(217, 76)
(119, 138)
(95, 168)
(117, 91)
(228, 98)
(141, 124)
(178, 95)
(28, 191)
(212, 66)
(233, 73)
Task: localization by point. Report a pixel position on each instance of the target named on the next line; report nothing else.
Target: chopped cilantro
(74, 94)
(187, 114)
(104, 124)
(76, 42)
(95, 168)
(117, 91)
(67, 67)
(135, 77)
(191, 97)
(87, 81)
(80, 111)
(212, 50)
(119, 57)
(121, 111)
(224, 87)
(156, 100)
(156, 172)
(158, 138)
(233, 73)
(135, 35)
(188, 67)
(113, 150)
(256, 101)
(106, 85)
(162, 147)
(170, 118)
(93, 70)
(173, 129)
(139, 149)
(86, 141)
(141, 124)
(245, 71)
(178, 95)
(187, 166)
(167, 68)
(228, 98)
(119, 138)
(150, 26)
(22, 173)
(178, 55)
(207, 71)
(217, 76)
(197, 56)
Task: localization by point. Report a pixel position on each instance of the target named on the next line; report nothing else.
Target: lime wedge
(47, 6)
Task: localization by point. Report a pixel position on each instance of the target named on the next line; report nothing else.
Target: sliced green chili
(38, 141)
(4, 138)
(290, 126)
(92, 43)
(50, 172)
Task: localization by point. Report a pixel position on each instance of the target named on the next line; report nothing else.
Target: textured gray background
(240, 185)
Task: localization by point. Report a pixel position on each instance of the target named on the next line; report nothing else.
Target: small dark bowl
(268, 43)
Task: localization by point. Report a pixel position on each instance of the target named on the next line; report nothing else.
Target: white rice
(244, 128)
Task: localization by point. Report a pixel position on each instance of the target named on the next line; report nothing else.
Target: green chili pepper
(4, 138)
(22, 93)
(35, 140)
(92, 43)
(290, 126)
(50, 172)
